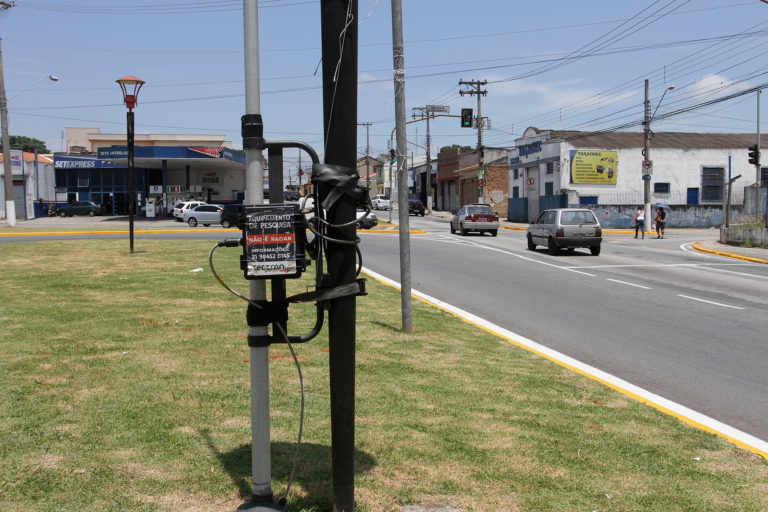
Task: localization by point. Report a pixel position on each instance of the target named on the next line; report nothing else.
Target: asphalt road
(685, 325)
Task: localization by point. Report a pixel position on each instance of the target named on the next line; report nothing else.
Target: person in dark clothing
(659, 220)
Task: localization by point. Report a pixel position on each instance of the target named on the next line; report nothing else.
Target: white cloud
(717, 85)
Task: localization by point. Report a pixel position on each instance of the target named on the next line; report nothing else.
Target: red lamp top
(130, 86)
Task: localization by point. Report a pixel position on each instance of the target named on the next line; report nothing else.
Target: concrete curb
(728, 254)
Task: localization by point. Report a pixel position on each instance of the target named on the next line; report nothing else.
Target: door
(19, 200)
(693, 196)
(532, 192)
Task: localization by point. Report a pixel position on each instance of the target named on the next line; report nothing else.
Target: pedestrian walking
(639, 219)
(659, 220)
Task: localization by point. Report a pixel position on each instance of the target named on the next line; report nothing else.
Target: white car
(381, 202)
(205, 214)
(182, 206)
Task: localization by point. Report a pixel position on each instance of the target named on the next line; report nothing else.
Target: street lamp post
(647, 162)
(130, 85)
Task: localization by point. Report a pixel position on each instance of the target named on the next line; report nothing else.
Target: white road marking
(452, 239)
(630, 284)
(731, 272)
(689, 416)
(709, 302)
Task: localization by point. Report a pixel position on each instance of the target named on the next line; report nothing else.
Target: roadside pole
(339, 53)
(646, 158)
(402, 181)
(262, 498)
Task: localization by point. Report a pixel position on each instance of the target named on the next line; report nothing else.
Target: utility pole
(367, 154)
(262, 497)
(10, 206)
(339, 31)
(428, 112)
(477, 91)
(398, 58)
(647, 158)
(757, 165)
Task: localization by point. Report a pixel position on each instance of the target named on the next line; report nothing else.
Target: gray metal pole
(402, 183)
(757, 165)
(10, 207)
(646, 156)
(261, 460)
(429, 167)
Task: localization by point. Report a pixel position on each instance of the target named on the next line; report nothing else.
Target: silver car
(566, 228)
(475, 217)
(205, 214)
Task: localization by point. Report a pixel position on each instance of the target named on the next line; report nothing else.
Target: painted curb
(666, 406)
(728, 254)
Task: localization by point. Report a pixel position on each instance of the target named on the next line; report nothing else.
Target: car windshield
(479, 209)
(585, 217)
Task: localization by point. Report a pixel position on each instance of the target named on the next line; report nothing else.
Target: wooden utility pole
(477, 91)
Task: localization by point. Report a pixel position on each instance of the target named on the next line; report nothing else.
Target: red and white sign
(530, 182)
(210, 151)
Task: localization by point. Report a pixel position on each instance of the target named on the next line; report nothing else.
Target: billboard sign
(594, 167)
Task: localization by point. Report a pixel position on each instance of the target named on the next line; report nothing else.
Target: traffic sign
(647, 167)
(481, 182)
(530, 182)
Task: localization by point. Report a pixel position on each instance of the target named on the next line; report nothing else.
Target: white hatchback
(182, 206)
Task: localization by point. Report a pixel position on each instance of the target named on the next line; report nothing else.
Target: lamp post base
(259, 504)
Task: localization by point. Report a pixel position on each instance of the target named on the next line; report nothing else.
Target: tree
(27, 144)
(455, 146)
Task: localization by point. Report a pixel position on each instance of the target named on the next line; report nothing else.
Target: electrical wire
(302, 390)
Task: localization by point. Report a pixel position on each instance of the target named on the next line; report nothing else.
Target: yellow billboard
(594, 167)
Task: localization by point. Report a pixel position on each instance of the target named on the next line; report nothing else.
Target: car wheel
(62, 214)
(463, 231)
(595, 250)
(531, 245)
(226, 224)
(206, 225)
(494, 232)
(552, 246)
(192, 222)
(453, 231)
(570, 250)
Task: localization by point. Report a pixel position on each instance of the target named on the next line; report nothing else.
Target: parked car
(416, 207)
(182, 206)
(566, 228)
(366, 221)
(205, 214)
(381, 202)
(81, 208)
(230, 215)
(475, 217)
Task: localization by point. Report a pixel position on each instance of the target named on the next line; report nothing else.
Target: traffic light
(392, 157)
(754, 155)
(466, 118)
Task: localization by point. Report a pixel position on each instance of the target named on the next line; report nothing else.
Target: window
(515, 191)
(517, 173)
(550, 168)
(549, 188)
(712, 184)
(661, 188)
(577, 218)
(764, 177)
(587, 199)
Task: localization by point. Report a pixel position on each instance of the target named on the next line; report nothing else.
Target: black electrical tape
(262, 313)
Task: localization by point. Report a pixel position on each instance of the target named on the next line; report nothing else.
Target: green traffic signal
(466, 118)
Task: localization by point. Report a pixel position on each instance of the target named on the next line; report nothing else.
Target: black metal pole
(339, 48)
(131, 179)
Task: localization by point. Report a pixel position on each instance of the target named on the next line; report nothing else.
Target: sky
(552, 64)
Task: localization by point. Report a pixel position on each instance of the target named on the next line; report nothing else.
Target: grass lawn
(124, 387)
